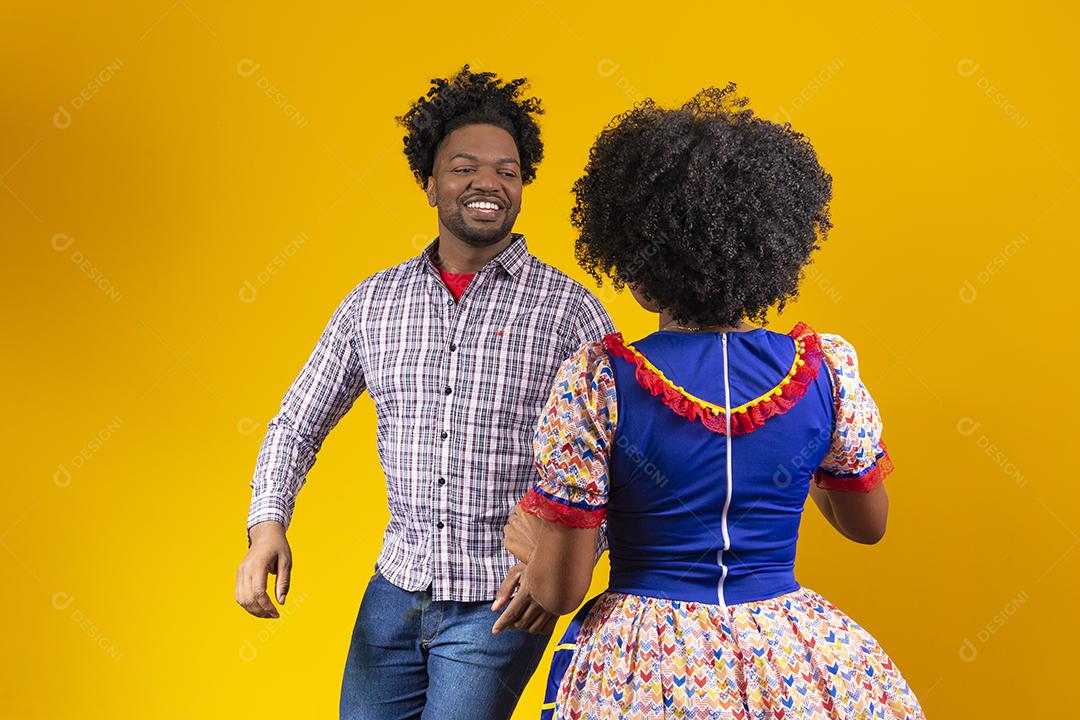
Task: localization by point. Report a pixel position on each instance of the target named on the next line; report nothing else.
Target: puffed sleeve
(572, 442)
(857, 460)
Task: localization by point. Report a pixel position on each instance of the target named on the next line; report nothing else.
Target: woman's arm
(523, 534)
(560, 571)
(848, 487)
(857, 516)
(565, 508)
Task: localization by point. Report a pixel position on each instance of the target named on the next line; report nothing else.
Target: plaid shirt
(458, 389)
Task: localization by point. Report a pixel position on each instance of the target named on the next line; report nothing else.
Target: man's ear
(430, 190)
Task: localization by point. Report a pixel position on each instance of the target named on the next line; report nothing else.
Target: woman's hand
(522, 612)
(522, 531)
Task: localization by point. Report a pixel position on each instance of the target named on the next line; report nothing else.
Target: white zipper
(727, 498)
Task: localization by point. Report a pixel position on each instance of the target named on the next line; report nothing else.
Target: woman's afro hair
(708, 210)
(470, 98)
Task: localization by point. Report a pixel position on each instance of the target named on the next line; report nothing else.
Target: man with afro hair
(458, 348)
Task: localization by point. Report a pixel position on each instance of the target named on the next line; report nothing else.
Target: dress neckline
(731, 333)
(746, 417)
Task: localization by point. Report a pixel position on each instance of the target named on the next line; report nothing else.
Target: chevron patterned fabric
(796, 656)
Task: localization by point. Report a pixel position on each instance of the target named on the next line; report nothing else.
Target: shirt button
(444, 435)
(453, 347)
(450, 303)
(440, 525)
(448, 390)
(442, 481)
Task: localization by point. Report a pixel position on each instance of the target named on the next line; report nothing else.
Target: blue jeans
(412, 657)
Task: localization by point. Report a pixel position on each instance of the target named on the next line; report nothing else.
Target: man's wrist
(265, 528)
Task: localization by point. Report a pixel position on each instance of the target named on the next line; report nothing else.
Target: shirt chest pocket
(520, 361)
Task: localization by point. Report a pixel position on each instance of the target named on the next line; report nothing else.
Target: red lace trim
(864, 483)
(547, 509)
(742, 422)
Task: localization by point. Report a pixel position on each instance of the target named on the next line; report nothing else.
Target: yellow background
(175, 244)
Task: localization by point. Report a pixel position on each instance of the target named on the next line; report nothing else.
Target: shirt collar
(511, 259)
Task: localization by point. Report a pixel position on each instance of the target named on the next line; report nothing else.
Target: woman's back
(703, 613)
(696, 514)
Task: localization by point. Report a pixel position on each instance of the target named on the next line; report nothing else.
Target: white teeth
(481, 205)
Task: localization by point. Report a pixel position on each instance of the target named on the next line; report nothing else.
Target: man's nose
(486, 179)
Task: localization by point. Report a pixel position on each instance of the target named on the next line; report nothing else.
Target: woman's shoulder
(591, 354)
(586, 370)
(836, 343)
(839, 354)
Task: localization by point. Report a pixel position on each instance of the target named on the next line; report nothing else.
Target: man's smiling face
(476, 184)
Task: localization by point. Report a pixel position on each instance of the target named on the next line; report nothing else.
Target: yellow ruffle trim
(777, 391)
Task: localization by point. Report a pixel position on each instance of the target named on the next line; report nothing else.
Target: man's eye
(509, 173)
(463, 169)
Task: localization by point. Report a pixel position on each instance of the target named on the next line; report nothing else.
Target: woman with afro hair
(699, 443)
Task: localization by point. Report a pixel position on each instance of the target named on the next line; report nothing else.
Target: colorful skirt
(793, 656)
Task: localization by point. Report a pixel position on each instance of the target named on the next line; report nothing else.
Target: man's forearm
(285, 458)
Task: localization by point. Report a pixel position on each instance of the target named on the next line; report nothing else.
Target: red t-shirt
(456, 282)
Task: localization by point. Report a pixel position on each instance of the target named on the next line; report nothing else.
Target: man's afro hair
(470, 98)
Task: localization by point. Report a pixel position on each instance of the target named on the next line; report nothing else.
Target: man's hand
(269, 554)
(523, 613)
(522, 534)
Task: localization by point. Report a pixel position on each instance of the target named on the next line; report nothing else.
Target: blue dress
(703, 616)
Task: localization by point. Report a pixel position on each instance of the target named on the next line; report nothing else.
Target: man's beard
(477, 236)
